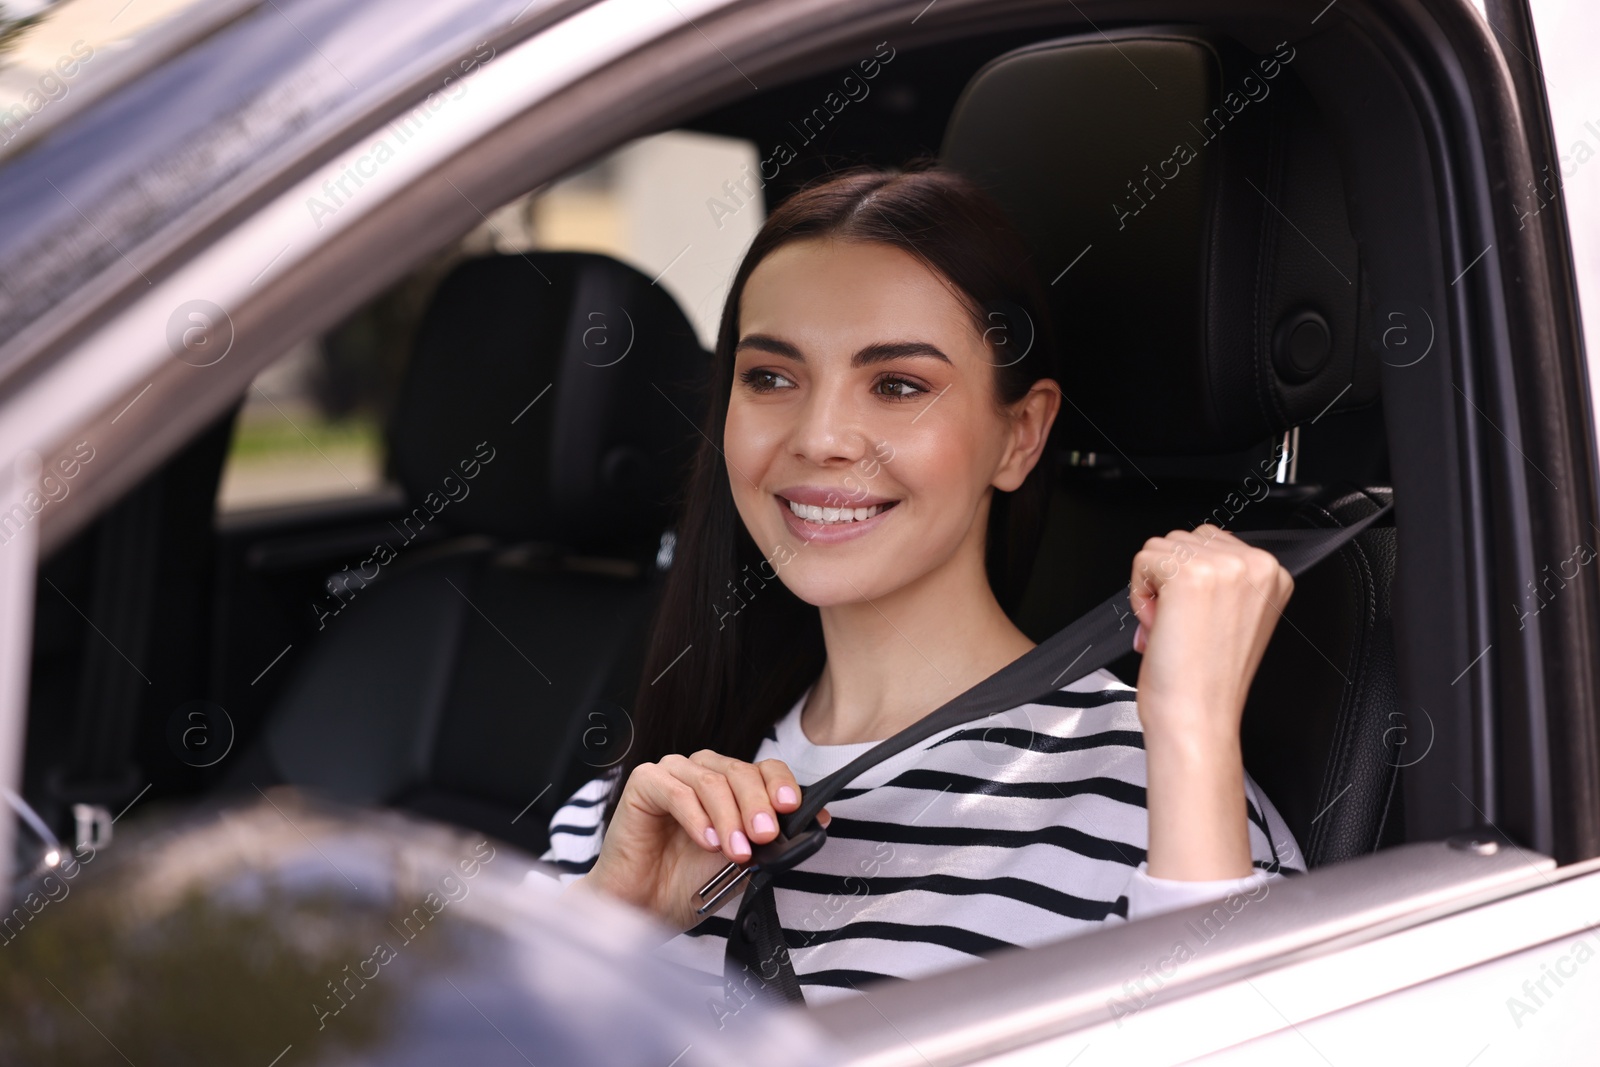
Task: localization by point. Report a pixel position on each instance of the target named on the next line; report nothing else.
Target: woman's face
(863, 436)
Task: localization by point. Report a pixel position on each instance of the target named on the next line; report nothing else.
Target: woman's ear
(1031, 419)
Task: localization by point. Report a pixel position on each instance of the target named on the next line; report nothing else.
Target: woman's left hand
(1207, 604)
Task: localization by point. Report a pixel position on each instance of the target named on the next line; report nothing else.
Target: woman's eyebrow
(767, 343)
(887, 350)
(877, 352)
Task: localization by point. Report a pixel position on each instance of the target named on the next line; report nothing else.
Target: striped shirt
(1016, 830)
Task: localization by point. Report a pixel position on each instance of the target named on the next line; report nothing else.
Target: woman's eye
(898, 388)
(764, 381)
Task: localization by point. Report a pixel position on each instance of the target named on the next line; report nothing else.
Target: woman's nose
(828, 427)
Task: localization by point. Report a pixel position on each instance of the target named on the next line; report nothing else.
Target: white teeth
(816, 513)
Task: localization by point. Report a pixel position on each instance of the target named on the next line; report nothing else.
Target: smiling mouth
(835, 516)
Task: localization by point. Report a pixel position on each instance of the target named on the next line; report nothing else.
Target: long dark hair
(730, 647)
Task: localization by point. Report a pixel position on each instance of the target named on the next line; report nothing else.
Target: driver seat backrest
(546, 417)
(1183, 205)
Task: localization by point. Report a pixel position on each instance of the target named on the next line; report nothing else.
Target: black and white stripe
(1017, 830)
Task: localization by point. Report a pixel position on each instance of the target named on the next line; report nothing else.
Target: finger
(755, 801)
(716, 796)
(1153, 566)
(1210, 534)
(759, 820)
(1273, 581)
(781, 784)
(666, 793)
(1161, 560)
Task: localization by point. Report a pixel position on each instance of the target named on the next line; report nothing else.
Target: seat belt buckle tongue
(779, 854)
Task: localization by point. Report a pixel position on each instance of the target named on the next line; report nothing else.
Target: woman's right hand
(680, 820)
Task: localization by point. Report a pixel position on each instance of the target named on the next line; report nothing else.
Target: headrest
(1185, 212)
(549, 397)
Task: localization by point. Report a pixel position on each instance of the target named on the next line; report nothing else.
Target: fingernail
(739, 842)
(762, 822)
(711, 837)
(1138, 638)
(786, 795)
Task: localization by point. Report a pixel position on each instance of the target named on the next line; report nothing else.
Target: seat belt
(756, 964)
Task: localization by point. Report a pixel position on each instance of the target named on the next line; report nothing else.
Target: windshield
(56, 59)
(89, 180)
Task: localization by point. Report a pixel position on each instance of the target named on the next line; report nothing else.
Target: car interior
(466, 646)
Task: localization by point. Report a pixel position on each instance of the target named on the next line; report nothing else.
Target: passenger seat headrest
(1184, 208)
(551, 396)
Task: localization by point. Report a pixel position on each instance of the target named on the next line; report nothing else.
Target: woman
(866, 499)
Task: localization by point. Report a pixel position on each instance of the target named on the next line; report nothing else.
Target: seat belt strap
(756, 962)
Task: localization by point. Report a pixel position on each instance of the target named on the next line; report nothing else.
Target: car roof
(224, 96)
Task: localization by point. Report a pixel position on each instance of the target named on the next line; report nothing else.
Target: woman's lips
(834, 532)
(828, 514)
(830, 496)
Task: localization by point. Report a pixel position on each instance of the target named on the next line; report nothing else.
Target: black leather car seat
(1183, 204)
(545, 420)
